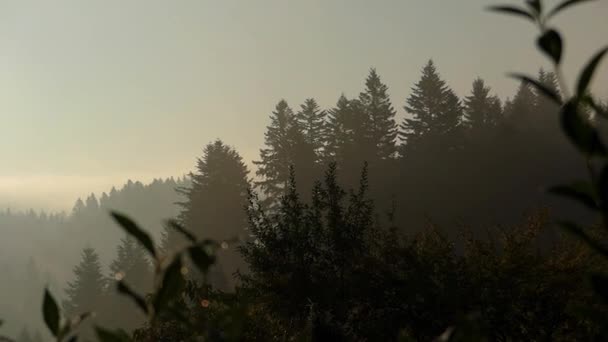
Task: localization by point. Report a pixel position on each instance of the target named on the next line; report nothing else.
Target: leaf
(73, 339)
(181, 229)
(201, 258)
(587, 74)
(133, 229)
(50, 311)
(579, 232)
(599, 282)
(536, 5)
(170, 285)
(565, 5)
(551, 44)
(122, 288)
(579, 130)
(106, 335)
(512, 11)
(579, 191)
(549, 93)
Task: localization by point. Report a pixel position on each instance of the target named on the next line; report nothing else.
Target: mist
(387, 132)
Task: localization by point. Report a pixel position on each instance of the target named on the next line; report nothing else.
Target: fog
(387, 131)
(108, 91)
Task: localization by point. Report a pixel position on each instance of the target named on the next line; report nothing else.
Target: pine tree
(339, 135)
(434, 108)
(286, 146)
(79, 208)
(132, 266)
(86, 290)
(481, 109)
(521, 108)
(312, 122)
(214, 205)
(86, 293)
(544, 105)
(377, 106)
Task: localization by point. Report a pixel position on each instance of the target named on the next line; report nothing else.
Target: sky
(93, 93)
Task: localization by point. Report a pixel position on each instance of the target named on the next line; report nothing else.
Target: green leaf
(565, 5)
(122, 288)
(587, 74)
(549, 93)
(579, 232)
(536, 5)
(181, 229)
(50, 311)
(512, 11)
(579, 191)
(171, 284)
(579, 130)
(133, 229)
(201, 258)
(551, 44)
(106, 335)
(600, 285)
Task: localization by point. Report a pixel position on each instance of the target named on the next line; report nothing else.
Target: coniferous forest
(352, 224)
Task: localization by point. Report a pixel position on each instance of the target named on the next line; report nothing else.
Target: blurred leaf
(133, 229)
(599, 110)
(170, 285)
(579, 232)
(201, 258)
(587, 75)
(106, 335)
(600, 285)
(551, 44)
(580, 191)
(73, 339)
(565, 5)
(552, 95)
(536, 5)
(580, 131)
(137, 299)
(181, 229)
(513, 11)
(50, 311)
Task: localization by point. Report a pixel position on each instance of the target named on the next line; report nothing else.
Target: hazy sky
(95, 92)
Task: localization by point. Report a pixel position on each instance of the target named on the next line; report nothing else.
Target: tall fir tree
(285, 147)
(482, 110)
(434, 108)
(376, 103)
(214, 204)
(86, 293)
(520, 110)
(311, 119)
(131, 265)
(86, 290)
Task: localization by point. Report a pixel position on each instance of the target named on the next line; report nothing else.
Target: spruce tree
(312, 122)
(377, 106)
(85, 291)
(214, 205)
(286, 146)
(481, 109)
(434, 108)
(339, 134)
(349, 142)
(522, 107)
(132, 266)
